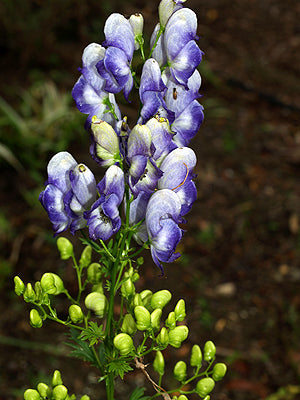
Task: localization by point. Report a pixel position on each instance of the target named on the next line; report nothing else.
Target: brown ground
(240, 270)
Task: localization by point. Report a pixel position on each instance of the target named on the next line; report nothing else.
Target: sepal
(35, 319)
(128, 325)
(52, 283)
(219, 371)
(159, 363)
(160, 299)
(75, 314)
(29, 294)
(65, 248)
(180, 371)
(179, 310)
(56, 378)
(96, 302)
(155, 319)
(196, 356)
(31, 394)
(59, 392)
(19, 286)
(143, 318)
(86, 257)
(205, 386)
(123, 343)
(209, 351)
(162, 338)
(178, 335)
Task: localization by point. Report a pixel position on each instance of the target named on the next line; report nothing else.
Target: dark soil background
(239, 272)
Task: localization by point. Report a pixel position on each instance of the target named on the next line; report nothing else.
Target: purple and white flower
(104, 219)
(162, 219)
(70, 190)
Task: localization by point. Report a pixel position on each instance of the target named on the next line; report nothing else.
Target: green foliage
(93, 334)
(81, 349)
(119, 367)
(138, 394)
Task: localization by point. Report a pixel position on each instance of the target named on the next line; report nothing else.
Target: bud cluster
(57, 391)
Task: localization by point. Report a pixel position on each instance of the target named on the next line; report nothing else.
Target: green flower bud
(143, 318)
(196, 356)
(97, 302)
(162, 338)
(165, 10)
(180, 371)
(31, 394)
(135, 277)
(29, 294)
(65, 248)
(137, 23)
(43, 390)
(209, 351)
(56, 379)
(19, 286)
(219, 371)
(94, 273)
(146, 297)
(178, 335)
(159, 363)
(137, 300)
(107, 142)
(75, 314)
(205, 386)
(86, 257)
(171, 320)
(52, 283)
(182, 397)
(40, 296)
(127, 288)
(140, 261)
(179, 310)
(160, 299)
(35, 319)
(85, 397)
(128, 325)
(123, 343)
(60, 392)
(155, 319)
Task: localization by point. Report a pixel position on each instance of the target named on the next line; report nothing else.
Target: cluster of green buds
(57, 390)
(205, 380)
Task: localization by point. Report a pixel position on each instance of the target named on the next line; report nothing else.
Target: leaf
(81, 348)
(93, 334)
(137, 394)
(119, 367)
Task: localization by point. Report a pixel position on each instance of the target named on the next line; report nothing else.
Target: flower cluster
(149, 167)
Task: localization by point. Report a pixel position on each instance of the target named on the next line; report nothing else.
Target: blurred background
(239, 272)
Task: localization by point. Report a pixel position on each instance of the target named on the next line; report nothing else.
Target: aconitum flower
(114, 67)
(152, 90)
(143, 172)
(188, 111)
(177, 170)
(183, 54)
(70, 190)
(162, 219)
(104, 219)
(88, 92)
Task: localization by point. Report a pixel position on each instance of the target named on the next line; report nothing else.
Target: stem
(161, 30)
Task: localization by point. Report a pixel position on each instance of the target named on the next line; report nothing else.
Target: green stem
(161, 30)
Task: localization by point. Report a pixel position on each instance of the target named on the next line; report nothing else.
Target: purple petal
(58, 170)
(83, 185)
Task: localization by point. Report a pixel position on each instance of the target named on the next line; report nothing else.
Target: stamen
(81, 168)
(182, 183)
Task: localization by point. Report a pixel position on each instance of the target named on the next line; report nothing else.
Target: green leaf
(137, 394)
(81, 348)
(119, 367)
(93, 334)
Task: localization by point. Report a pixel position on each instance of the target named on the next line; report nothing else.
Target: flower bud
(94, 273)
(159, 363)
(98, 288)
(123, 343)
(137, 24)
(165, 10)
(182, 397)
(209, 351)
(180, 371)
(137, 300)
(171, 321)
(162, 338)
(97, 302)
(180, 310)
(107, 142)
(52, 283)
(31, 394)
(219, 371)
(19, 286)
(60, 392)
(160, 299)
(140, 261)
(205, 386)
(35, 319)
(65, 248)
(85, 397)
(146, 297)
(155, 319)
(128, 325)
(43, 390)
(39, 294)
(127, 288)
(143, 319)
(86, 257)
(178, 335)
(29, 294)
(196, 356)
(56, 379)
(75, 314)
